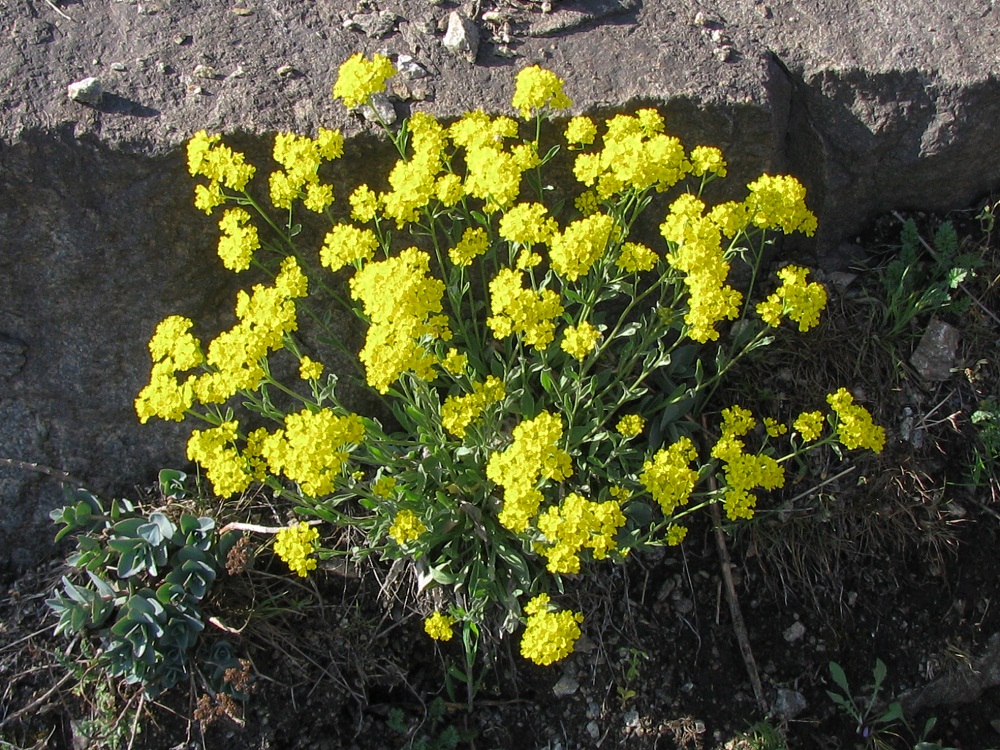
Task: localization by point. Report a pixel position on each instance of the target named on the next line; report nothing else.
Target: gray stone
(380, 110)
(566, 685)
(788, 704)
(375, 25)
(795, 632)
(462, 37)
(88, 91)
(965, 683)
(593, 729)
(410, 68)
(934, 356)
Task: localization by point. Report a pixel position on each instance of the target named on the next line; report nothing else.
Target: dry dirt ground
(860, 558)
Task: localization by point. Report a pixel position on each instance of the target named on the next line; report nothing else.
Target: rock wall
(876, 105)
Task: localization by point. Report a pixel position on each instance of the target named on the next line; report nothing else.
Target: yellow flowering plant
(547, 368)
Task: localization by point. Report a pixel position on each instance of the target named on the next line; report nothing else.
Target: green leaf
(880, 672)
(172, 482)
(837, 673)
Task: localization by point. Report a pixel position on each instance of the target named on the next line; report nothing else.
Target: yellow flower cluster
(406, 527)
(414, 181)
(524, 311)
(855, 428)
(576, 524)
(535, 89)
(635, 155)
(215, 451)
(454, 362)
(579, 341)
(809, 424)
(264, 317)
(707, 160)
(549, 636)
(699, 256)
(630, 425)
(301, 158)
(779, 202)
(492, 174)
(668, 476)
(364, 204)
(403, 303)
(220, 164)
(533, 455)
(310, 369)
(458, 412)
(345, 244)
(580, 131)
(239, 240)
(676, 535)
(312, 448)
(575, 250)
(296, 545)
(743, 472)
(527, 224)
(800, 300)
(634, 258)
(774, 428)
(174, 350)
(359, 78)
(474, 243)
(439, 626)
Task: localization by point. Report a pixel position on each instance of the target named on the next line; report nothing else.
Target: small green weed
(914, 285)
(762, 735)
(863, 709)
(434, 733)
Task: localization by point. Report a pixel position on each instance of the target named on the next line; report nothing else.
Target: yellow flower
(534, 454)
(364, 204)
(630, 425)
(580, 131)
(705, 159)
(575, 524)
(345, 244)
(455, 362)
(229, 472)
(439, 626)
(359, 78)
(778, 202)
(406, 527)
(458, 412)
(676, 535)
(580, 341)
(527, 224)
(295, 545)
(549, 636)
(809, 424)
(313, 448)
(667, 476)
(474, 243)
(580, 245)
(855, 428)
(536, 88)
(635, 257)
(799, 300)
(517, 310)
(310, 370)
(774, 428)
(239, 239)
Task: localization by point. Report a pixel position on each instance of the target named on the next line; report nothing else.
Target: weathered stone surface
(875, 105)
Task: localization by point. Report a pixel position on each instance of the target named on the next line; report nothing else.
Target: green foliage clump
(139, 586)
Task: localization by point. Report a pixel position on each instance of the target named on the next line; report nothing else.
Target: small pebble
(87, 91)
